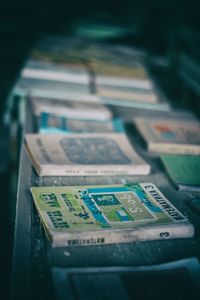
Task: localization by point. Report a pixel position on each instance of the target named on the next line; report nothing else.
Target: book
(107, 214)
(84, 154)
(62, 72)
(120, 74)
(178, 134)
(184, 171)
(51, 123)
(127, 93)
(125, 82)
(172, 280)
(136, 104)
(58, 49)
(71, 108)
(50, 88)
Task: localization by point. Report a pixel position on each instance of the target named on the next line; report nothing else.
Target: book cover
(177, 280)
(71, 108)
(84, 154)
(51, 123)
(184, 171)
(85, 215)
(177, 135)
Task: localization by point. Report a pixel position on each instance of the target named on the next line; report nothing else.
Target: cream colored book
(65, 72)
(84, 154)
(127, 93)
(127, 75)
(179, 134)
(71, 108)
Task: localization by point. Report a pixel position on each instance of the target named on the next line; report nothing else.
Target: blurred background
(164, 28)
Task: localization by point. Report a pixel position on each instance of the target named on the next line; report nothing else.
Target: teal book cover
(184, 170)
(52, 123)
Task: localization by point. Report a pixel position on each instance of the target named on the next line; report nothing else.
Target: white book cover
(84, 154)
(71, 108)
(178, 134)
(67, 72)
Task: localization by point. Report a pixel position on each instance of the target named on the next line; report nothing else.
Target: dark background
(22, 22)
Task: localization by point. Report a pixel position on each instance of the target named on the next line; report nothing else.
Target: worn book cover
(71, 108)
(179, 135)
(184, 170)
(84, 154)
(84, 215)
(52, 123)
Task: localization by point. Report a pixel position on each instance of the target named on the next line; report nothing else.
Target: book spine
(174, 149)
(53, 170)
(57, 76)
(136, 104)
(184, 230)
(126, 82)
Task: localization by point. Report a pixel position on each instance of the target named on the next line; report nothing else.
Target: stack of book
(176, 137)
(126, 82)
(89, 71)
(68, 84)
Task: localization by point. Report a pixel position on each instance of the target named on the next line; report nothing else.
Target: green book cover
(77, 215)
(184, 170)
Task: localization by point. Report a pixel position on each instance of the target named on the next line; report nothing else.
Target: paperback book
(177, 280)
(121, 75)
(65, 72)
(127, 93)
(178, 135)
(184, 171)
(51, 123)
(71, 108)
(130, 95)
(84, 154)
(50, 88)
(107, 214)
(58, 49)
